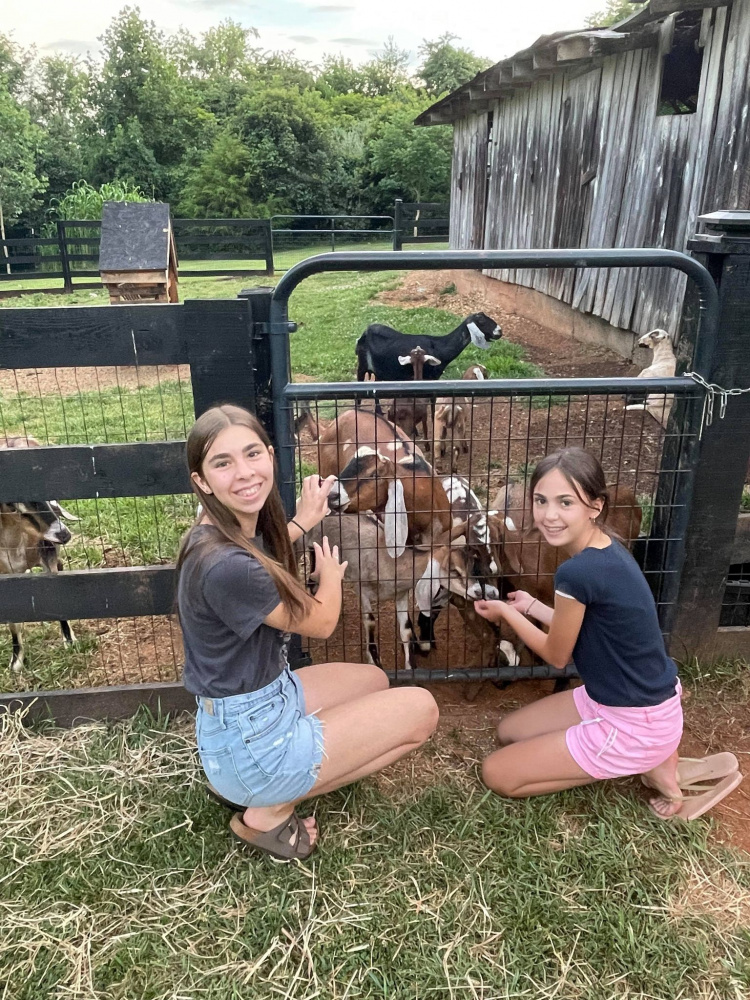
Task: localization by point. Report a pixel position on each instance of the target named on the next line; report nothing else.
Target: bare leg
(361, 737)
(16, 659)
(330, 684)
(548, 715)
(535, 766)
(664, 780)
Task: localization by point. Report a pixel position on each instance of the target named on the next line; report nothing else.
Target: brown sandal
(288, 841)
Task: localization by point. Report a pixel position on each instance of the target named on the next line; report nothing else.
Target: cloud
(72, 45)
(353, 41)
(303, 39)
(330, 8)
(213, 5)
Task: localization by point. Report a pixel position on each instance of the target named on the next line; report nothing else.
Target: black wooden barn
(612, 137)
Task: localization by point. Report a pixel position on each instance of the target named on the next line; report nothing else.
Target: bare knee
(373, 678)
(497, 778)
(506, 731)
(423, 711)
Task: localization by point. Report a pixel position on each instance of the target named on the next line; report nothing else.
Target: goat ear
(430, 360)
(404, 359)
(58, 509)
(426, 589)
(396, 524)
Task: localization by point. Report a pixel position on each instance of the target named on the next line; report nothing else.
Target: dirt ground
(506, 438)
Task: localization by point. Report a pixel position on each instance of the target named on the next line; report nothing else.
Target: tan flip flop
(708, 796)
(288, 841)
(692, 770)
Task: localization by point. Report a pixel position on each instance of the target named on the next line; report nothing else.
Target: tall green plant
(82, 201)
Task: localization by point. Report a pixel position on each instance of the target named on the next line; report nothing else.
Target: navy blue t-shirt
(619, 652)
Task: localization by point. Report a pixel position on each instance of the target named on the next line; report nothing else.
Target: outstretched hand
(327, 561)
(493, 611)
(312, 505)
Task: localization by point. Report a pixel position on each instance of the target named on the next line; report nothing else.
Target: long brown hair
(278, 559)
(583, 471)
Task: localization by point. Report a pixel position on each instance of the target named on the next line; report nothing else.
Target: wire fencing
(110, 405)
(467, 526)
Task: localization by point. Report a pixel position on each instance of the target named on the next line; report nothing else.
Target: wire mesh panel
(431, 510)
(98, 405)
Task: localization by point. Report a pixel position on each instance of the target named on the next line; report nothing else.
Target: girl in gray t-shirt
(626, 718)
(269, 737)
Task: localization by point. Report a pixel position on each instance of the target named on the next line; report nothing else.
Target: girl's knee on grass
(422, 709)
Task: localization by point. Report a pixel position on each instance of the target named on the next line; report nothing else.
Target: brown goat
(450, 423)
(369, 455)
(410, 413)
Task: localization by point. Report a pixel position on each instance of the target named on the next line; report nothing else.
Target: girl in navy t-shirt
(626, 718)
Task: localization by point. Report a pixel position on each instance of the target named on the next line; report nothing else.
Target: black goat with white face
(387, 353)
(31, 533)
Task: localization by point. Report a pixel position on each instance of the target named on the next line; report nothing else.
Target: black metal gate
(528, 408)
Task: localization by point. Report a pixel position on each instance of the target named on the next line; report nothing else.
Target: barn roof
(560, 51)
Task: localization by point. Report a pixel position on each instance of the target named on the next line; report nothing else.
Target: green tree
(219, 186)
(20, 183)
(285, 135)
(13, 63)
(58, 103)
(340, 76)
(405, 161)
(614, 11)
(388, 72)
(444, 67)
(142, 98)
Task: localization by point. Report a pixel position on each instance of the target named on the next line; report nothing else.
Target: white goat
(663, 365)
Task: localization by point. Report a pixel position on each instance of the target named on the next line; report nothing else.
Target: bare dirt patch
(71, 381)
(559, 356)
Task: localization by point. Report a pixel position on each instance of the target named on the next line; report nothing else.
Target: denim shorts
(260, 749)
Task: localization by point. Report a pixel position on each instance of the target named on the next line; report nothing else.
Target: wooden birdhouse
(137, 256)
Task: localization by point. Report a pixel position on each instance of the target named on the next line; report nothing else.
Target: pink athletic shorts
(614, 742)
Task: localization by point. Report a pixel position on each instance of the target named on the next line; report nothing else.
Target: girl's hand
(327, 561)
(312, 505)
(520, 600)
(493, 611)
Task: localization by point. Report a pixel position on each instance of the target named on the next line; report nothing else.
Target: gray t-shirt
(223, 597)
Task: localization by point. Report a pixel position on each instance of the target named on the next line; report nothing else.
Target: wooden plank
(85, 336)
(81, 705)
(82, 472)
(88, 593)
(220, 338)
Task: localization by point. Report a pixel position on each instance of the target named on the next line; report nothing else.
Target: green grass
(121, 882)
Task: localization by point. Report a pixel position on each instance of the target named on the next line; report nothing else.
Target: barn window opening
(490, 130)
(681, 68)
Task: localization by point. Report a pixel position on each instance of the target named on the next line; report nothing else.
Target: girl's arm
(322, 618)
(530, 606)
(554, 647)
(312, 505)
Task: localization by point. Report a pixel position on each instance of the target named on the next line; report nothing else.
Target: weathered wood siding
(582, 159)
(469, 175)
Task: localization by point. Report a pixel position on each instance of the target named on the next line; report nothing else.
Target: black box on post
(137, 255)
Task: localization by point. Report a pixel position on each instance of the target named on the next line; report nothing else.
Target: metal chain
(712, 391)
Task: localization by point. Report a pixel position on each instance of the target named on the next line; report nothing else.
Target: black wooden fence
(74, 253)
(238, 350)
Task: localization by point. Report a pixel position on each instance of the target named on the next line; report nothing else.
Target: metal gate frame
(666, 544)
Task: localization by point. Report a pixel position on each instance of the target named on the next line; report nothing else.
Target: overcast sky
(355, 28)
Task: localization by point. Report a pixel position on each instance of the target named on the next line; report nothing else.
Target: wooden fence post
(398, 221)
(219, 336)
(62, 239)
(268, 236)
(723, 450)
